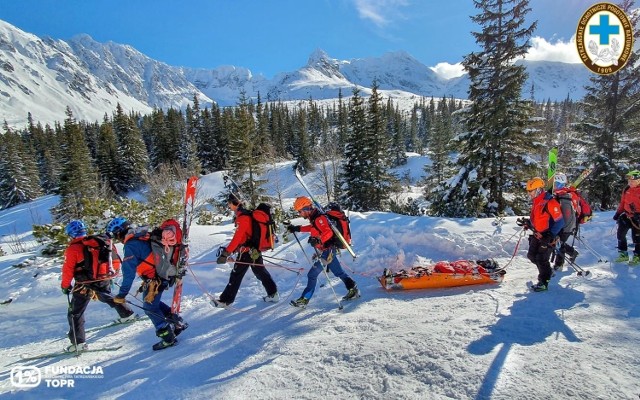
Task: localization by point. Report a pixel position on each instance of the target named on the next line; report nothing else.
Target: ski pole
(73, 325)
(579, 270)
(280, 259)
(151, 312)
(311, 264)
(592, 251)
(326, 274)
(145, 310)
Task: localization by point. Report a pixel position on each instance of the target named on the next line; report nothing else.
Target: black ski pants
(82, 295)
(539, 254)
(239, 269)
(624, 225)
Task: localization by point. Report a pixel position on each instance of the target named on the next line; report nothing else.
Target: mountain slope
(44, 76)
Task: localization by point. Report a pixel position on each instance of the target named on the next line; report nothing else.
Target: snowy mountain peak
(92, 78)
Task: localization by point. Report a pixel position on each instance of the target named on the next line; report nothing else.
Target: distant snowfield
(578, 340)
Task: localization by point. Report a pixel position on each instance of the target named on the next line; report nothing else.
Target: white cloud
(380, 12)
(541, 50)
(448, 71)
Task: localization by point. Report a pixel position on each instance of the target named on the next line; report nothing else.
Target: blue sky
(271, 36)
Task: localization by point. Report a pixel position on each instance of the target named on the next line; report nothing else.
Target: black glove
(66, 290)
(524, 222)
(293, 228)
(616, 216)
(222, 256)
(547, 238)
(314, 241)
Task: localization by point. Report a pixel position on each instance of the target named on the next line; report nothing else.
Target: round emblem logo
(604, 38)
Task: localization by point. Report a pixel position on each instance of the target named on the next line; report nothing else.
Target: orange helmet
(302, 202)
(535, 183)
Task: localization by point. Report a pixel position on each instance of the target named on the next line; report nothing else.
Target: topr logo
(604, 38)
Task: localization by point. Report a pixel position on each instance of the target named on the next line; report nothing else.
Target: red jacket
(630, 201)
(546, 214)
(320, 228)
(74, 258)
(244, 230)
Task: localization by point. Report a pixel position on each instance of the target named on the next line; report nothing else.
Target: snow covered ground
(579, 340)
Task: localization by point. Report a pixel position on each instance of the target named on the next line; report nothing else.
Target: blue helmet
(117, 226)
(76, 228)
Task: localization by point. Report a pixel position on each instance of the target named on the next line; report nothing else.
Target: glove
(293, 228)
(547, 238)
(66, 290)
(616, 216)
(314, 241)
(119, 300)
(222, 256)
(524, 222)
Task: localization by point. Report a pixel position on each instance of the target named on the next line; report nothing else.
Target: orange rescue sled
(444, 274)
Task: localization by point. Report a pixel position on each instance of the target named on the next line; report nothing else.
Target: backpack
(568, 212)
(263, 228)
(97, 257)
(339, 219)
(584, 209)
(166, 243)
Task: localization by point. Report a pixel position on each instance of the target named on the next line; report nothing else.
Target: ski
(189, 203)
(116, 323)
(552, 165)
(67, 353)
(583, 175)
(6, 301)
(317, 204)
(233, 187)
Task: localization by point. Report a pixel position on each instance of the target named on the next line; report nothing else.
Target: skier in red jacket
(86, 288)
(627, 217)
(248, 257)
(546, 221)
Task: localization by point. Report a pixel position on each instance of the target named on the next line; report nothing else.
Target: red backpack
(97, 258)
(339, 219)
(262, 228)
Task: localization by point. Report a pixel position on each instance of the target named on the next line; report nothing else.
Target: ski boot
(622, 257)
(80, 347)
(353, 293)
(168, 338)
(540, 287)
(301, 302)
(274, 298)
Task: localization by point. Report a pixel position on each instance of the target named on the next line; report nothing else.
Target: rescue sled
(444, 274)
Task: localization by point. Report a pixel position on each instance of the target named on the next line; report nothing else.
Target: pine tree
(492, 152)
(396, 130)
(133, 159)
(351, 188)
(439, 147)
(46, 149)
(377, 154)
(244, 155)
(78, 180)
(611, 123)
(19, 180)
(302, 142)
(107, 155)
